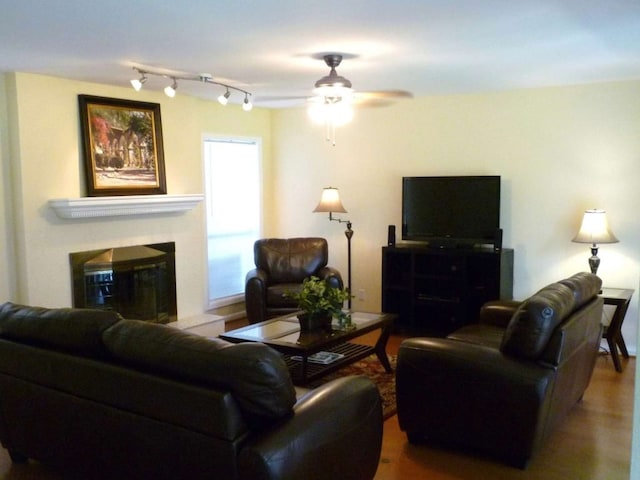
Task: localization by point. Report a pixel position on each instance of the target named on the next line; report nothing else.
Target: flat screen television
(451, 211)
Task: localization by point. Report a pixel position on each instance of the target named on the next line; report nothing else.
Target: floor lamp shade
(330, 202)
(594, 230)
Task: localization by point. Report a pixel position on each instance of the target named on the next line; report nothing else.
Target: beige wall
(559, 151)
(46, 163)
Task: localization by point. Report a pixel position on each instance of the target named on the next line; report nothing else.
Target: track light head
(170, 91)
(247, 105)
(137, 83)
(224, 98)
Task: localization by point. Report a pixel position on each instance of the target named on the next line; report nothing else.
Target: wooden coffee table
(283, 334)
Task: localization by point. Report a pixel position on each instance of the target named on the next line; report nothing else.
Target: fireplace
(139, 282)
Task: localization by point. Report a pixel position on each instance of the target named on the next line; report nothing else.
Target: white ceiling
(424, 46)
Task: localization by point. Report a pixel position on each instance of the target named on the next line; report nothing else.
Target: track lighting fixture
(246, 105)
(170, 91)
(137, 83)
(224, 98)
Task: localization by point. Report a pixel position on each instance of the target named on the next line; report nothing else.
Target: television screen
(456, 209)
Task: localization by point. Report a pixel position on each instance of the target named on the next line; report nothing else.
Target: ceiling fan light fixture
(338, 115)
(335, 93)
(333, 81)
(341, 113)
(316, 112)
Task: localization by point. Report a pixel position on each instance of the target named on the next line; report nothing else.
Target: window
(232, 191)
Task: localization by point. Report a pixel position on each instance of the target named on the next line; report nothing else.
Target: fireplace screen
(138, 282)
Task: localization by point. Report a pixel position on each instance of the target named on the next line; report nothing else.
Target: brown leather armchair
(281, 266)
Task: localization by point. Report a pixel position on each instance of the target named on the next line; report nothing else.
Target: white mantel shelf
(92, 207)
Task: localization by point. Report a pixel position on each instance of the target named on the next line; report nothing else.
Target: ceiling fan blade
(380, 98)
(281, 101)
(272, 98)
(385, 94)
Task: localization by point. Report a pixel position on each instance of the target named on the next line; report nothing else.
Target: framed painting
(122, 142)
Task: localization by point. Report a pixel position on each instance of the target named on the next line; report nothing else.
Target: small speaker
(497, 240)
(391, 236)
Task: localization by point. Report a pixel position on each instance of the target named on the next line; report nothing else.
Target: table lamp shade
(595, 229)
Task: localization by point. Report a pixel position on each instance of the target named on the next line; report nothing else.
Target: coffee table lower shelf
(352, 352)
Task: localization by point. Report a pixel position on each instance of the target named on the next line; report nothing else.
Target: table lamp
(594, 230)
(330, 202)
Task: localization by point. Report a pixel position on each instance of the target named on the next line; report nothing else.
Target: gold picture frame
(122, 142)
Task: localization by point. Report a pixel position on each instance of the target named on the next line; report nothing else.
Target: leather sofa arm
(334, 432)
(332, 276)
(255, 295)
(498, 312)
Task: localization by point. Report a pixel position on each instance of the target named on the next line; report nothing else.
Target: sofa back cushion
(255, 374)
(533, 323)
(73, 330)
(290, 260)
(584, 286)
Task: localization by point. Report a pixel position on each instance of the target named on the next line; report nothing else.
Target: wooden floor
(594, 443)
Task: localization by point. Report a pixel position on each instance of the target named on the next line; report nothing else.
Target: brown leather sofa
(281, 266)
(100, 397)
(501, 386)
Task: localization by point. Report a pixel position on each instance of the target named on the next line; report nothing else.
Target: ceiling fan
(334, 88)
(333, 98)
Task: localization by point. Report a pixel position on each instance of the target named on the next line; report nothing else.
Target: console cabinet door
(437, 291)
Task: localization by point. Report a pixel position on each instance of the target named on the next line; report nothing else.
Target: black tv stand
(454, 243)
(437, 290)
(444, 245)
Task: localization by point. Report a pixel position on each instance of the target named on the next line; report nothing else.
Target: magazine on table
(323, 358)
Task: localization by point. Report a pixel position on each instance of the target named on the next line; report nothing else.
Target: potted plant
(320, 303)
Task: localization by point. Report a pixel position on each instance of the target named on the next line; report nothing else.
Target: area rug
(370, 366)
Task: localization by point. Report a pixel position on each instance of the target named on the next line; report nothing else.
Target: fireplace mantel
(90, 207)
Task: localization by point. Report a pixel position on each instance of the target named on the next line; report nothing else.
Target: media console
(435, 291)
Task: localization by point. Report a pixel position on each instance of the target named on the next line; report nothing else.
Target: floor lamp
(330, 202)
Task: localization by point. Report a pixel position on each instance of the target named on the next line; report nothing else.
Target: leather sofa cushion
(479, 334)
(290, 260)
(73, 330)
(279, 295)
(256, 375)
(533, 323)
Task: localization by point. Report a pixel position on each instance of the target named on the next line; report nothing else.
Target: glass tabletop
(286, 330)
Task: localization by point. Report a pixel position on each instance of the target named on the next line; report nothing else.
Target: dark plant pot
(312, 322)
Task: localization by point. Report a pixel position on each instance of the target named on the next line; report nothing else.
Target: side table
(620, 298)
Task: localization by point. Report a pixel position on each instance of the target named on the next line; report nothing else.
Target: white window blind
(232, 175)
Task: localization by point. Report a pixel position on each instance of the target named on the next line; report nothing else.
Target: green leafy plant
(318, 299)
